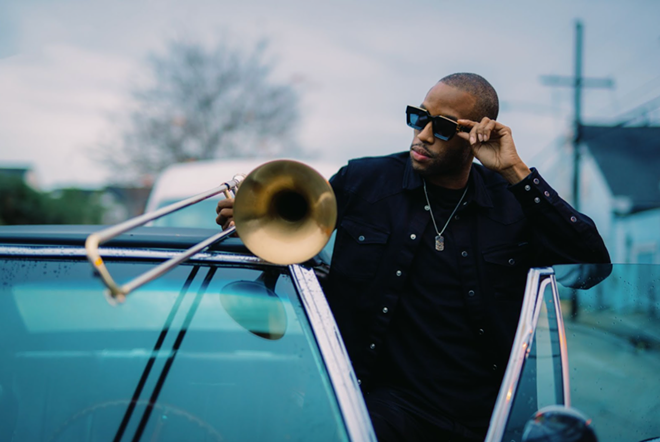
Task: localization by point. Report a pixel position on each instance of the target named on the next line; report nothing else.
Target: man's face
(431, 156)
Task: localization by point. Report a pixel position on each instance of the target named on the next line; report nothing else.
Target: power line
(529, 107)
(637, 112)
(646, 87)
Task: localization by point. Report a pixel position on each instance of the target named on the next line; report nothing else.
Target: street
(614, 382)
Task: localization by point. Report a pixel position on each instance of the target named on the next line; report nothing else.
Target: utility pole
(577, 82)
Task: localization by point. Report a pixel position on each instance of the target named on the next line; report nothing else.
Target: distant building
(24, 173)
(619, 188)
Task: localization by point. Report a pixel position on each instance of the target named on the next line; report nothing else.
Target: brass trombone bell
(285, 212)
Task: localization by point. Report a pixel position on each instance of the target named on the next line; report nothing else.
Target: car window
(201, 215)
(203, 353)
(613, 338)
(540, 383)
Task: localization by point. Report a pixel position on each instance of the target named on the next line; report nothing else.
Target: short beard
(451, 163)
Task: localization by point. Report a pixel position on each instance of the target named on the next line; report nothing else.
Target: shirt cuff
(533, 190)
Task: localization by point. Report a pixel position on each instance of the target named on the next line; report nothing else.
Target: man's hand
(493, 145)
(225, 211)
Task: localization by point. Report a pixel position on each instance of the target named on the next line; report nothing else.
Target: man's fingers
(227, 224)
(474, 133)
(226, 213)
(464, 135)
(223, 204)
(225, 216)
(481, 131)
(466, 123)
(488, 128)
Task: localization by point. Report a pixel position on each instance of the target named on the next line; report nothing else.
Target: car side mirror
(556, 423)
(255, 307)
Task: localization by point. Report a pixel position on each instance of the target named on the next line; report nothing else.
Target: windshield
(204, 353)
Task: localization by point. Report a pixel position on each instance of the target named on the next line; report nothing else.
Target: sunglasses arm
(460, 128)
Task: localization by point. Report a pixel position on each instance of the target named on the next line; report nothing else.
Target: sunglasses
(444, 128)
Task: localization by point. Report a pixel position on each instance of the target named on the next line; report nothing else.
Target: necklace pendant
(439, 243)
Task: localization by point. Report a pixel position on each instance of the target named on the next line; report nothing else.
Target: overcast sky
(66, 65)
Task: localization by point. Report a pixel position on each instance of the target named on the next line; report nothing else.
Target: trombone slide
(116, 293)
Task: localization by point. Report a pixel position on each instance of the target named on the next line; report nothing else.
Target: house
(619, 187)
(23, 173)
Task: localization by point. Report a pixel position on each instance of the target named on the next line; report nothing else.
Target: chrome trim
(135, 253)
(340, 371)
(563, 346)
(519, 351)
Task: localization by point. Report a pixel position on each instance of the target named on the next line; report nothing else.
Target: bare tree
(202, 103)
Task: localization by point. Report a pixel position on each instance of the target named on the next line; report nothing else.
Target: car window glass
(200, 215)
(170, 363)
(613, 339)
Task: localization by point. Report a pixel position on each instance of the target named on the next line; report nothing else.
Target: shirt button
(537, 200)
(481, 331)
(464, 253)
(536, 180)
(372, 346)
(427, 208)
(528, 187)
(546, 193)
(457, 217)
(398, 273)
(465, 203)
(494, 367)
(573, 219)
(413, 236)
(385, 310)
(471, 293)
(361, 238)
(359, 382)
(512, 261)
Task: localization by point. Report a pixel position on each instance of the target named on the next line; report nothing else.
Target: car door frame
(538, 279)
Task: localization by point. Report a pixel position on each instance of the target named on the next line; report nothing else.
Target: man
(430, 259)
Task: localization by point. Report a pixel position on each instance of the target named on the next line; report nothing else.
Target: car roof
(140, 237)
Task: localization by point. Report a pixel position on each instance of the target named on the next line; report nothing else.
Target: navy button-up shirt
(498, 232)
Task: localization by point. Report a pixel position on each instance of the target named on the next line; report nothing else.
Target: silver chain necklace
(440, 240)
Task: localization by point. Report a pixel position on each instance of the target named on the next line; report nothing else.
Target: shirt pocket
(506, 269)
(359, 250)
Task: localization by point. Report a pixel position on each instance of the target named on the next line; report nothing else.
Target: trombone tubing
(96, 239)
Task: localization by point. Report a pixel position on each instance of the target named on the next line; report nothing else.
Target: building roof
(18, 172)
(629, 158)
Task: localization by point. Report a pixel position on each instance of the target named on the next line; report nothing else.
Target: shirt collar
(478, 194)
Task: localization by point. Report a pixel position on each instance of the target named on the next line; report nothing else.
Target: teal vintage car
(228, 346)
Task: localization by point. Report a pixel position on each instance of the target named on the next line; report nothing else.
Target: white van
(184, 180)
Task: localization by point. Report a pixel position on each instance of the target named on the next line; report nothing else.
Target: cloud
(68, 63)
(53, 106)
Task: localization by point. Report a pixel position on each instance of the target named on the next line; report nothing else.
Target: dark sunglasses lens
(443, 129)
(416, 118)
